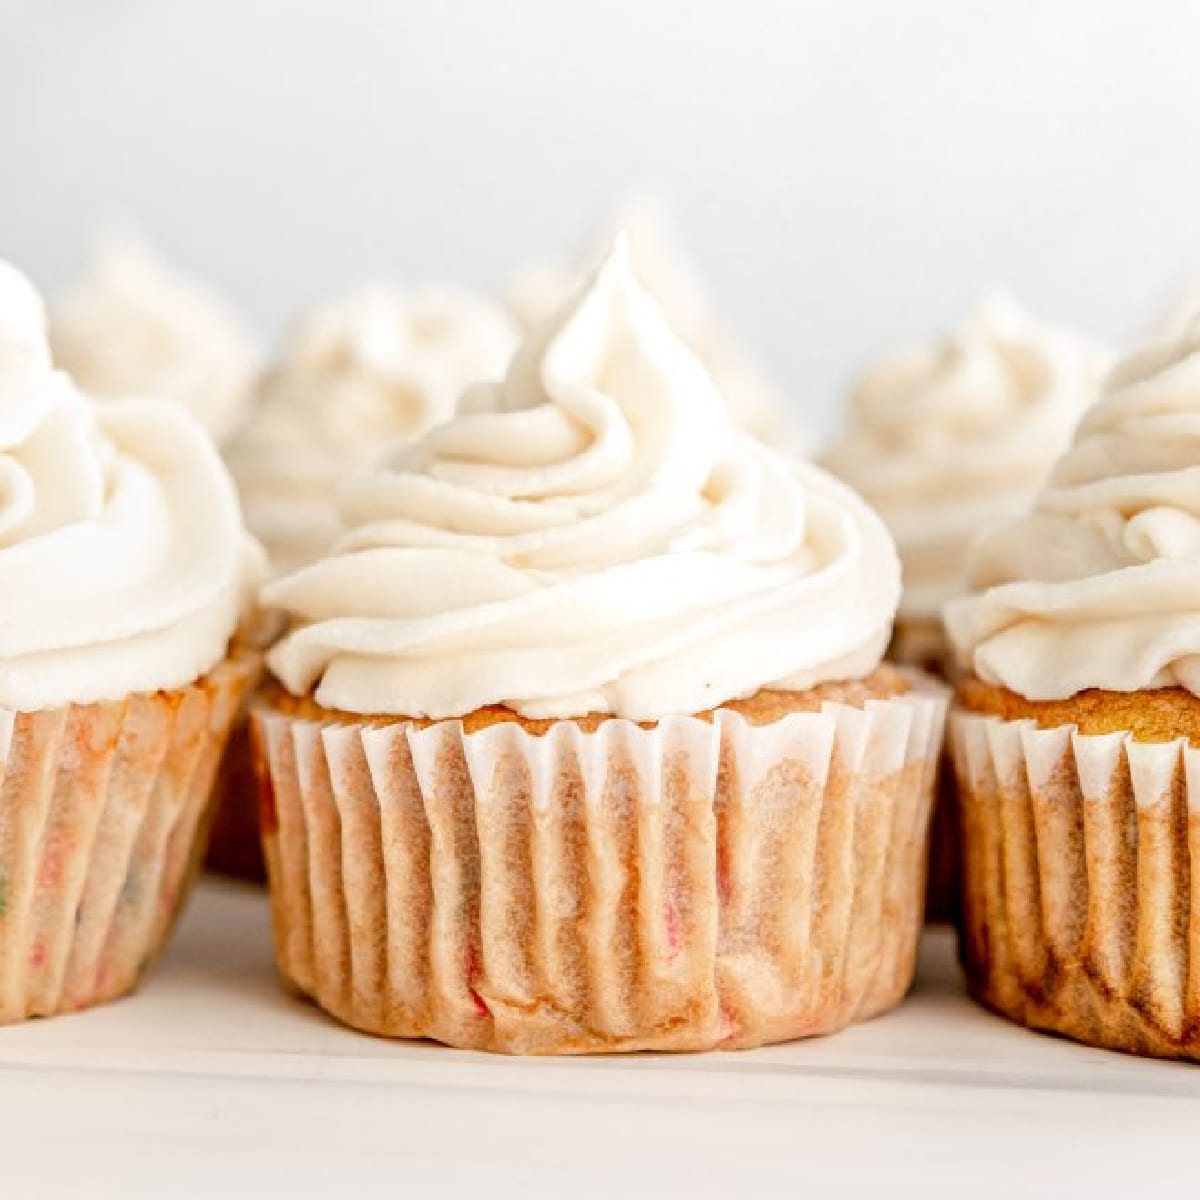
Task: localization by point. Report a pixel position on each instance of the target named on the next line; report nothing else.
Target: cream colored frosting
(133, 329)
(590, 535)
(661, 269)
(374, 371)
(1097, 587)
(122, 556)
(944, 441)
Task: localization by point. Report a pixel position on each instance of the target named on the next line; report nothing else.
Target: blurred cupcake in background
(134, 328)
(1170, 316)
(124, 572)
(355, 380)
(943, 441)
(661, 268)
(581, 741)
(1077, 735)
(946, 439)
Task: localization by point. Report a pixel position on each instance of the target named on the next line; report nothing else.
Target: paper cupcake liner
(102, 814)
(235, 845)
(1081, 908)
(681, 887)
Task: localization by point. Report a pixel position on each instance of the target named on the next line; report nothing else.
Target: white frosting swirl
(132, 329)
(376, 370)
(591, 535)
(122, 556)
(946, 440)
(1097, 587)
(540, 290)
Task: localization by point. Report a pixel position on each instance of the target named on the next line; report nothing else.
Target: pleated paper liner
(1082, 901)
(683, 887)
(103, 812)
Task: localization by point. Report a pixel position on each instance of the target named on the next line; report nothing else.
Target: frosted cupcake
(376, 370)
(134, 329)
(581, 740)
(540, 290)
(944, 441)
(123, 568)
(1078, 726)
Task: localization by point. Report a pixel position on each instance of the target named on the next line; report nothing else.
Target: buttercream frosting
(123, 563)
(945, 440)
(540, 289)
(1096, 587)
(376, 370)
(133, 329)
(592, 534)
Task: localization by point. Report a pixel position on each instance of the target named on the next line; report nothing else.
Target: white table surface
(214, 1082)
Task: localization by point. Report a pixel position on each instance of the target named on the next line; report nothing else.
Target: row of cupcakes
(942, 439)
(578, 738)
(578, 735)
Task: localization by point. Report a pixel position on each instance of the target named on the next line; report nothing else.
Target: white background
(848, 174)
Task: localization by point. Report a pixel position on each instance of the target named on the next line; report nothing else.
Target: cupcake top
(947, 439)
(373, 371)
(590, 535)
(540, 290)
(123, 563)
(132, 328)
(1097, 586)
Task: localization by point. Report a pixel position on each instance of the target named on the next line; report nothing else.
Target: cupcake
(123, 567)
(132, 328)
(1077, 726)
(371, 372)
(944, 441)
(579, 740)
(541, 289)
(375, 370)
